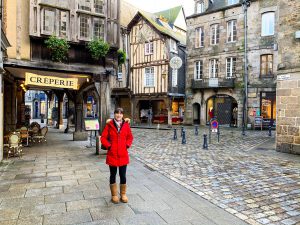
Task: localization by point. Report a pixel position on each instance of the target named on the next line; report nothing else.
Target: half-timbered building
(157, 89)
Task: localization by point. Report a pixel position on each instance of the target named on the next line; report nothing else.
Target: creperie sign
(49, 81)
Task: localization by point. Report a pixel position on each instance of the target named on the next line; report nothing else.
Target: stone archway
(222, 107)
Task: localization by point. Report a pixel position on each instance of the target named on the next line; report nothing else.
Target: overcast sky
(159, 5)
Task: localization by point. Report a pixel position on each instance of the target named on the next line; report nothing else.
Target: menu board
(258, 122)
(91, 124)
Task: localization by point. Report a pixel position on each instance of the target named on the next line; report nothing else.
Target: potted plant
(58, 48)
(98, 48)
(121, 57)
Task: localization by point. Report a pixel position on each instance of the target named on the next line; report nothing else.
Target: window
(120, 74)
(268, 105)
(98, 6)
(85, 5)
(266, 65)
(173, 45)
(215, 34)
(48, 21)
(230, 67)
(267, 24)
(199, 37)
(149, 77)
(200, 7)
(84, 26)
(231, 2)
(63, 23)
(174, 77)
(231, 31)
(98, 28)
(149, 48)
(214, 68)
(199, 70)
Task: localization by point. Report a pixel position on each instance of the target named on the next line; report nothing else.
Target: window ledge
(267, 76)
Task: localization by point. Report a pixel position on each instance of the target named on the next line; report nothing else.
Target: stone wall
(288, 87)
(257, 46)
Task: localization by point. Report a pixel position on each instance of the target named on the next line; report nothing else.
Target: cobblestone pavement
(63, 182)
(244, 175)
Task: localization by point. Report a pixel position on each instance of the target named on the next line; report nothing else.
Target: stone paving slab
(83, 197)
(242, 175)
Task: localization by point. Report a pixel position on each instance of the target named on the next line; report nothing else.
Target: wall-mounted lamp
(164, 74)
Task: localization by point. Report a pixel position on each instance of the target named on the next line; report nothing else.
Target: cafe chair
(24, 135)
(42, 136)
(35, 131)
(15, 145)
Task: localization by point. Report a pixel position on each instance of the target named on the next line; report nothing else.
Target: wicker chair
(15, 145)
(41, 136)
(24, 135)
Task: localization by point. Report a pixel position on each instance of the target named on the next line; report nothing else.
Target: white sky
(159, 5)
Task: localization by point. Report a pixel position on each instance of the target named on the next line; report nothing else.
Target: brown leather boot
(123, 193)
(114, 193)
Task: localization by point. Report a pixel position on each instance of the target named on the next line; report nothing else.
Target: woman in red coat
(117, 138)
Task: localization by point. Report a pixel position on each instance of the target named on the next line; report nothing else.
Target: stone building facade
(288, 80)
(215, 70)
(28, 24)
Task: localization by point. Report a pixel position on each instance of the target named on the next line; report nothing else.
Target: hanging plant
(58, 48)
(98, 48)
(121, 57)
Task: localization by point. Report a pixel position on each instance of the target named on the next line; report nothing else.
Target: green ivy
(58, 48)
(121, 57)
(239, 85)
(98, 48)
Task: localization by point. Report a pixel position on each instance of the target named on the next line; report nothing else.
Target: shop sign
(50, 81)
(213, 82)
(91, 124)
(284, 77)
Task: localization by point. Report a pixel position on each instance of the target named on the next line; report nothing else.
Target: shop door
(224, 114)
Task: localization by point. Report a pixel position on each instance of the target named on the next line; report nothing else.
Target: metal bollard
(175, 134)
(196, 130)
(270, 131)
(182, 128)
(183, 138)
(205, 146)
(218, 134)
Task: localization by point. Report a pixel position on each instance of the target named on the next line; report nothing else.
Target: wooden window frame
(265, 22)
(199, 37)
(213, 68)
(215, 34)
(231, 65)
(198, 68)
(266, 66)
(231, 31)
(149, 48)
(147, 83)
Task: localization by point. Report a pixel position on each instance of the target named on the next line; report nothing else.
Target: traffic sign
(214, 124)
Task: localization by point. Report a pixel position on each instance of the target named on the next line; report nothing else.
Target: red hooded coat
(117, 143)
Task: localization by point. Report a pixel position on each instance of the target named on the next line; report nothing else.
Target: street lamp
(245, 5)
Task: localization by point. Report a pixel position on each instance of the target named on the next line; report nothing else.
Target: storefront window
(268, 105)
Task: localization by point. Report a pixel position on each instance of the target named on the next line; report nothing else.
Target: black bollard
(182, 128)
(205, 146)
(175, 134)
(196, 130)
(183, 138)
(218, 133)
(270, 131)
(243, 131)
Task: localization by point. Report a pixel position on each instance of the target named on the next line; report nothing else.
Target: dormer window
(173, 46)
(232, 2)
(200, 7)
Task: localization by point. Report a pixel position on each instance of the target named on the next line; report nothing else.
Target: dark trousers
(113, 173)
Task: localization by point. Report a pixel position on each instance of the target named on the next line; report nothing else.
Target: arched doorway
(222, 107)
(196, 113)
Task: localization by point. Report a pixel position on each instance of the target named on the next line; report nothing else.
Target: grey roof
(216, 5)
